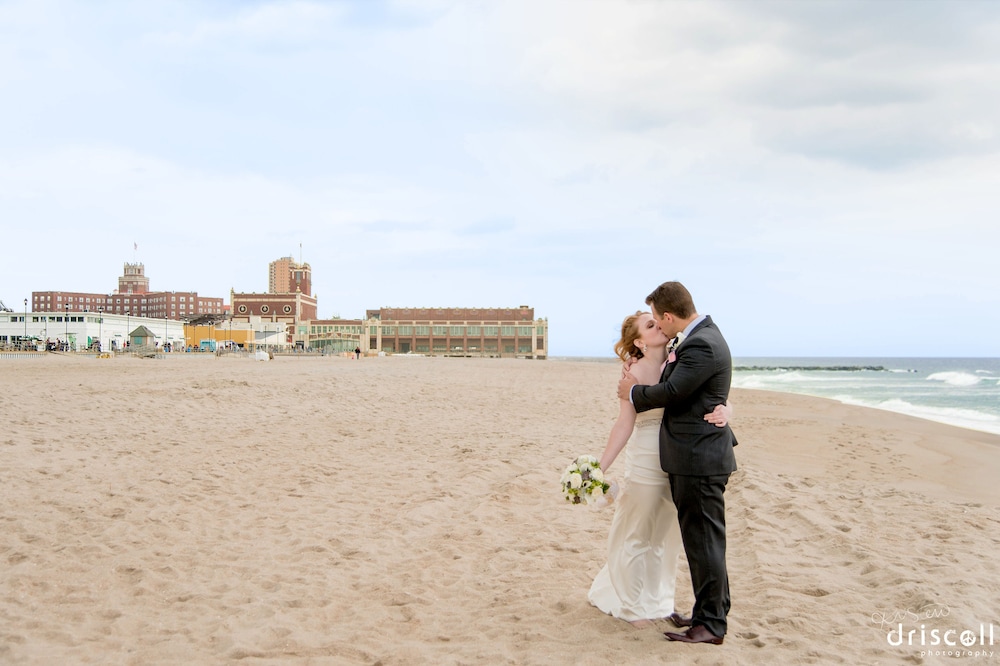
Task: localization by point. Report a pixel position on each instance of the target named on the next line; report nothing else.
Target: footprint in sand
(754, 639)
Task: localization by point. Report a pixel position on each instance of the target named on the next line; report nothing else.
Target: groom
(697, 455)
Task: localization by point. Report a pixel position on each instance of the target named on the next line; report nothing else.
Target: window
(473, 330)
(458, 330)
(440, 330)
(422, 330)
(406, 330)
(507, 330)
(491, 330)
(524, 330)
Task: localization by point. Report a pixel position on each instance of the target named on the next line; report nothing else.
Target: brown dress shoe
(679, 620)
(697, 634)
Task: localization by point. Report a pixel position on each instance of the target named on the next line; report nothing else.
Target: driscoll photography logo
(940, 640)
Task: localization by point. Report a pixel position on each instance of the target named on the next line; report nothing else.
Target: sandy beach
(202, 510)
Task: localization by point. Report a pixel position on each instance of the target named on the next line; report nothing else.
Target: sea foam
(954, 378)
(764, 380)
(963, 418)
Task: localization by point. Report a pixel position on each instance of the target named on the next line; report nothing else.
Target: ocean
(964, 392)
(959, 391)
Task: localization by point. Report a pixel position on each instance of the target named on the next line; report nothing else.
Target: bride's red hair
(625, 347)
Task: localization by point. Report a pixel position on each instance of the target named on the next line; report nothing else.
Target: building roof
(142, 332)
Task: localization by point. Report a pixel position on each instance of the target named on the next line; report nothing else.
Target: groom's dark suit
(699, 458)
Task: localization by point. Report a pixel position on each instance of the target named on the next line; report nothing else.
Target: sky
(824, 177)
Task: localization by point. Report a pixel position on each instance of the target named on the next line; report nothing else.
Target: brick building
(132, 296)
(284, 276)
(288, 300)
(288, 308)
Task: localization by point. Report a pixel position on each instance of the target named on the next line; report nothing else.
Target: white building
(81, 329)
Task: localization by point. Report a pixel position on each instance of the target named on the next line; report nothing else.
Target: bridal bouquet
(583, 481)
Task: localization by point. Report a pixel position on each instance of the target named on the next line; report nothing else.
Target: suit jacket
(689, 388)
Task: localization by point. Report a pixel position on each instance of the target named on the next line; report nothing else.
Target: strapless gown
(639, 579)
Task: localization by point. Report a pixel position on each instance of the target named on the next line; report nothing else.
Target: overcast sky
(823, 176)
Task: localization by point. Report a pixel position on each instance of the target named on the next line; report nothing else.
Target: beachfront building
(285, 317)
(288, 300)
(499, 332)
(486, 332)
(287, 308)
(249, 335)
(333, 335)
(285, 276)
(132, 297)
(284, 310)
(70, 330)
(78, 331)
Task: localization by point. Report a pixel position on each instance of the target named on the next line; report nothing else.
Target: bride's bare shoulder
(646, 372)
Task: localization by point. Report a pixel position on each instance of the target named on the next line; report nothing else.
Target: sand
(202, 510)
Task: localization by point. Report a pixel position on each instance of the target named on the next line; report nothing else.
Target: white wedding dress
(644, 542)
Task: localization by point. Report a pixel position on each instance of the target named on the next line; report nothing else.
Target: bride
(637, 583)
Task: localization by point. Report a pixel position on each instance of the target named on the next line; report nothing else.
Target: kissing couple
(673, 426)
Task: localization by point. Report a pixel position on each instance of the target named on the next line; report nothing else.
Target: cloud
(286, 25)
(809, 158)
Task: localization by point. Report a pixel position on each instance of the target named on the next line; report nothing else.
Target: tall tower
(285, 276)
(134, 280)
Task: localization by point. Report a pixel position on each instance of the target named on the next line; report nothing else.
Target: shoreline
(977, 421)
(939, 421)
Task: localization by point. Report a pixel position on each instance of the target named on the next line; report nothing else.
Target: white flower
(583, 481)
